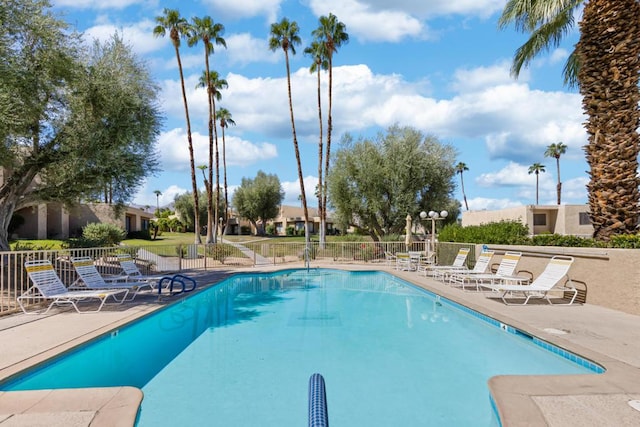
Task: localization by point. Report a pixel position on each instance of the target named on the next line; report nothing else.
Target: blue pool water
(241, 354)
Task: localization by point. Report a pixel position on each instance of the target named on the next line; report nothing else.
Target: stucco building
(541, 219)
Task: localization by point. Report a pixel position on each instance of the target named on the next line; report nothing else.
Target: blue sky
(441, 66)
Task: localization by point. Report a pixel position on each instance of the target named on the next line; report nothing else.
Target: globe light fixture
(433, 216)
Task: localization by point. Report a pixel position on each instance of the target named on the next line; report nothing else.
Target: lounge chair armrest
(121, 278)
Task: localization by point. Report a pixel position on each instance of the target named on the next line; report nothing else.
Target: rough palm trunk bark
(609, 48)
(322, 231)
(297, 152)
(194, 184)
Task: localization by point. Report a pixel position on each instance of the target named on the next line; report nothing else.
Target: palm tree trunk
(226, 194)
(322, 231)
(194, 184)
(464, 196)
(216, 208)
(609, 75)
(329, 130)
(537, 186)
(297, 152)
(210, 229)
(559, 186)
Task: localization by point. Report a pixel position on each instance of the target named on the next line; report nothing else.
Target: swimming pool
(241, 353)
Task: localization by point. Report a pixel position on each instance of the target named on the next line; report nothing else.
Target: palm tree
(178, 28)
(158, 193)
(333, 34)
(284, 35)
(555, 150)
(209, 32)
(460, 168)
(318, 51)
(536, 168)
(225, 120)
(213, 86)
(609, 75)
(606, 68)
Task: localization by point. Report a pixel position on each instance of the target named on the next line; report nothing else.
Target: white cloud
(146, 197)
(558, 55)
(515, 175)
(369, 23)
(515, 122)
(431, 8)
(292, 191)
(380, 20)
(247, 8)
(575, 190)
(479, 78)
(483, 203)
(243, 49)
(97, 4)
(138, 35)
(174, 151)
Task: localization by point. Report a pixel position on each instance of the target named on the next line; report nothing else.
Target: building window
(539, 219)
(584, 218)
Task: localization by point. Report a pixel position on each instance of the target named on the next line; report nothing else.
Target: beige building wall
(540, 219)
(53, 221)
(611, 275)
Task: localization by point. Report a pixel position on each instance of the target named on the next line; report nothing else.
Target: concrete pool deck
(607, 337)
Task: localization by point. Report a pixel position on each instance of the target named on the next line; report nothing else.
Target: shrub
(30, 246)
(80, 242)
(565, 241)
(291, 230)
(498, 233)
(105, 234)
(271, 229)
(142, 234)
(245, 230)
(218, 251)
(625, 241)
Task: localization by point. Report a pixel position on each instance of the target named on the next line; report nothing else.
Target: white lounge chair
(504, 274)
(130, 269)
(48, 286)
(155, 281)
(548, 281)
(90, 278)
(481, 265)
(458, 263)
(389, 258)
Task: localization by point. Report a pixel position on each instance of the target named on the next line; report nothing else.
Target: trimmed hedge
(516, 233)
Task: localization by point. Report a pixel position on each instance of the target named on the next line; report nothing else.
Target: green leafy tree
(606, 68)
(210, 33)
(179, 28)
(225, 118)
(82, 120)
(374, 184)
(284, 35)
(556, 150)
(185, 209)
(332, 33)
(460, 169)
(536, 168)
(259, 199)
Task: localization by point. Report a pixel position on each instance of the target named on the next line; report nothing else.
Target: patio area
(608, 337)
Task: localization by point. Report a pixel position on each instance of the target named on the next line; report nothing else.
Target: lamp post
(433, 217)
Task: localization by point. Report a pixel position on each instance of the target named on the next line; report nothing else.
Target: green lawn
(172, 239)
